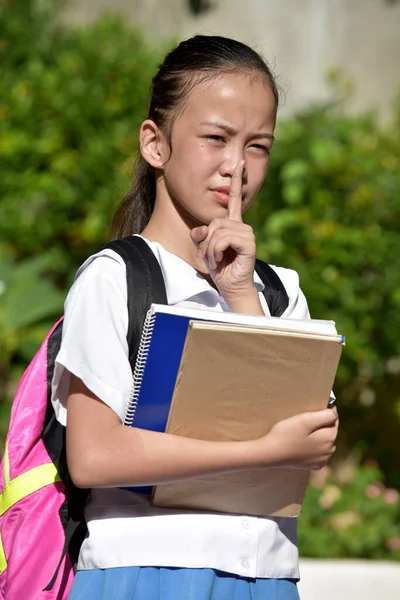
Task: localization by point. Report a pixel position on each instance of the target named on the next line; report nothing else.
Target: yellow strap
(27, 483)
(3, 560)
(6, 466)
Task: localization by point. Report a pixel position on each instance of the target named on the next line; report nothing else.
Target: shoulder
(104, 263)
(102, 271)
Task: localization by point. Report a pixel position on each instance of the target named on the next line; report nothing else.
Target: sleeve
(94, 345)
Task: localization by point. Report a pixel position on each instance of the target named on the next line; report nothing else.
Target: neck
(171, 228)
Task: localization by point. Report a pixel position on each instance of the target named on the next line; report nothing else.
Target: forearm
(101, 452)
(135, 457)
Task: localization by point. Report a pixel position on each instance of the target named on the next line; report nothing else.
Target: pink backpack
(41, 512)
(32, 495)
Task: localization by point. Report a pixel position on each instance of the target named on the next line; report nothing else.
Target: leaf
(29, 304)
(295, 169)
(293, 193)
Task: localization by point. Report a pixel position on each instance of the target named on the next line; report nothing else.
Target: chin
(196, 219)
(220, 213)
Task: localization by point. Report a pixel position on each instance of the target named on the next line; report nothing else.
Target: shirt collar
(182, 281)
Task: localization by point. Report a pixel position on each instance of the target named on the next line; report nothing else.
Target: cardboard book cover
(234, 383)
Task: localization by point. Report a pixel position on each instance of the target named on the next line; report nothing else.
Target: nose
(231, 159)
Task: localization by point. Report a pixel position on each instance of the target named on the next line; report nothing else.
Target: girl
(204, 148)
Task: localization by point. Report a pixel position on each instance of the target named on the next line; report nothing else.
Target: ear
(153, 145)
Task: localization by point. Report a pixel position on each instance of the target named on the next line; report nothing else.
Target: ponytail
(135, 210)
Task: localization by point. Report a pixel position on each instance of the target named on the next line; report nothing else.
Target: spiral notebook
(225, 376)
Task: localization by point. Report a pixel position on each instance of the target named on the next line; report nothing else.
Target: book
(226, 376)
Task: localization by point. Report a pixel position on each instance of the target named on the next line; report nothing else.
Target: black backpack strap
(145, 285)
(274, 291)
(72, 528)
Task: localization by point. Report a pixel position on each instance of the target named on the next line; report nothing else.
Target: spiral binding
(139, 367)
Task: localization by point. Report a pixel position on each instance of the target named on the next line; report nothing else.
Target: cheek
(201, 162)
(256, 174)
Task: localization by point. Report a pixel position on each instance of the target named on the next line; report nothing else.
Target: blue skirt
(161, 583)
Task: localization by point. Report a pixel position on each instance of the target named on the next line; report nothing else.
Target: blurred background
(74, 88)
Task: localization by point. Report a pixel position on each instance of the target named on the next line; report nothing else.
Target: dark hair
(206, 57)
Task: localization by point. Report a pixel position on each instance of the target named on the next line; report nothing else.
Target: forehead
(245, 101)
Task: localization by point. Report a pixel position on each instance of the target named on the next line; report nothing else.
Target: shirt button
(245, 563)
(245, 524)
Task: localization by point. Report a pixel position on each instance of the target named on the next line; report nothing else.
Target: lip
(222, 193)
(224, 189)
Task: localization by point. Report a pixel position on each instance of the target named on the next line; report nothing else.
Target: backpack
(42, 521)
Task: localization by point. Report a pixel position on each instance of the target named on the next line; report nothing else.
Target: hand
(305, 441)
(228, 246)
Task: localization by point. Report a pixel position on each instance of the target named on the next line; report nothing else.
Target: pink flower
(344, 520)
(393, 544)
(374, 490)
(391, 496)
(319, 478)
(329, 496)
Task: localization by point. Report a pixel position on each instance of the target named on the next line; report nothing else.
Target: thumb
(199, 234)
(322, 418)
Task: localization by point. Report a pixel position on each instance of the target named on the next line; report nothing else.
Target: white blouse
(124, 529)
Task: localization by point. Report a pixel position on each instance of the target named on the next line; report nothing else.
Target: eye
(216, 138)
(265, 149)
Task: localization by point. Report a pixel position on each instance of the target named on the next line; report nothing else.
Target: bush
(350, 514)
(71, 102)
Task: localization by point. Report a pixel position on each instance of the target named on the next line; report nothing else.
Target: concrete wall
(302, 39)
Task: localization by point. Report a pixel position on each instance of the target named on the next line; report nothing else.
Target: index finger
(235, 193)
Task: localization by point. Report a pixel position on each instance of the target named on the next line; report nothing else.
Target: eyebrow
(232, 131)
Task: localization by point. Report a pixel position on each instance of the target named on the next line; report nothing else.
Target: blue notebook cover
(160, 369)
(156, 373)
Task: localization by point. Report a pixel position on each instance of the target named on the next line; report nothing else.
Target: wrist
(245, 301)
(262, 453)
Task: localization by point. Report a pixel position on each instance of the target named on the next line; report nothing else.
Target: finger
(219, 227)
(202, 236)
(199, 234)
(235, 193)
(217, 248)
(335, 410)
(322, 418)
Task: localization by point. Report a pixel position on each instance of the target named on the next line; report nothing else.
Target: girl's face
(223, 121)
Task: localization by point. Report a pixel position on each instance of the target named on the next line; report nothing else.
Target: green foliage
(330, 209)
(357, 517)
(26, 299)
(71, 102)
